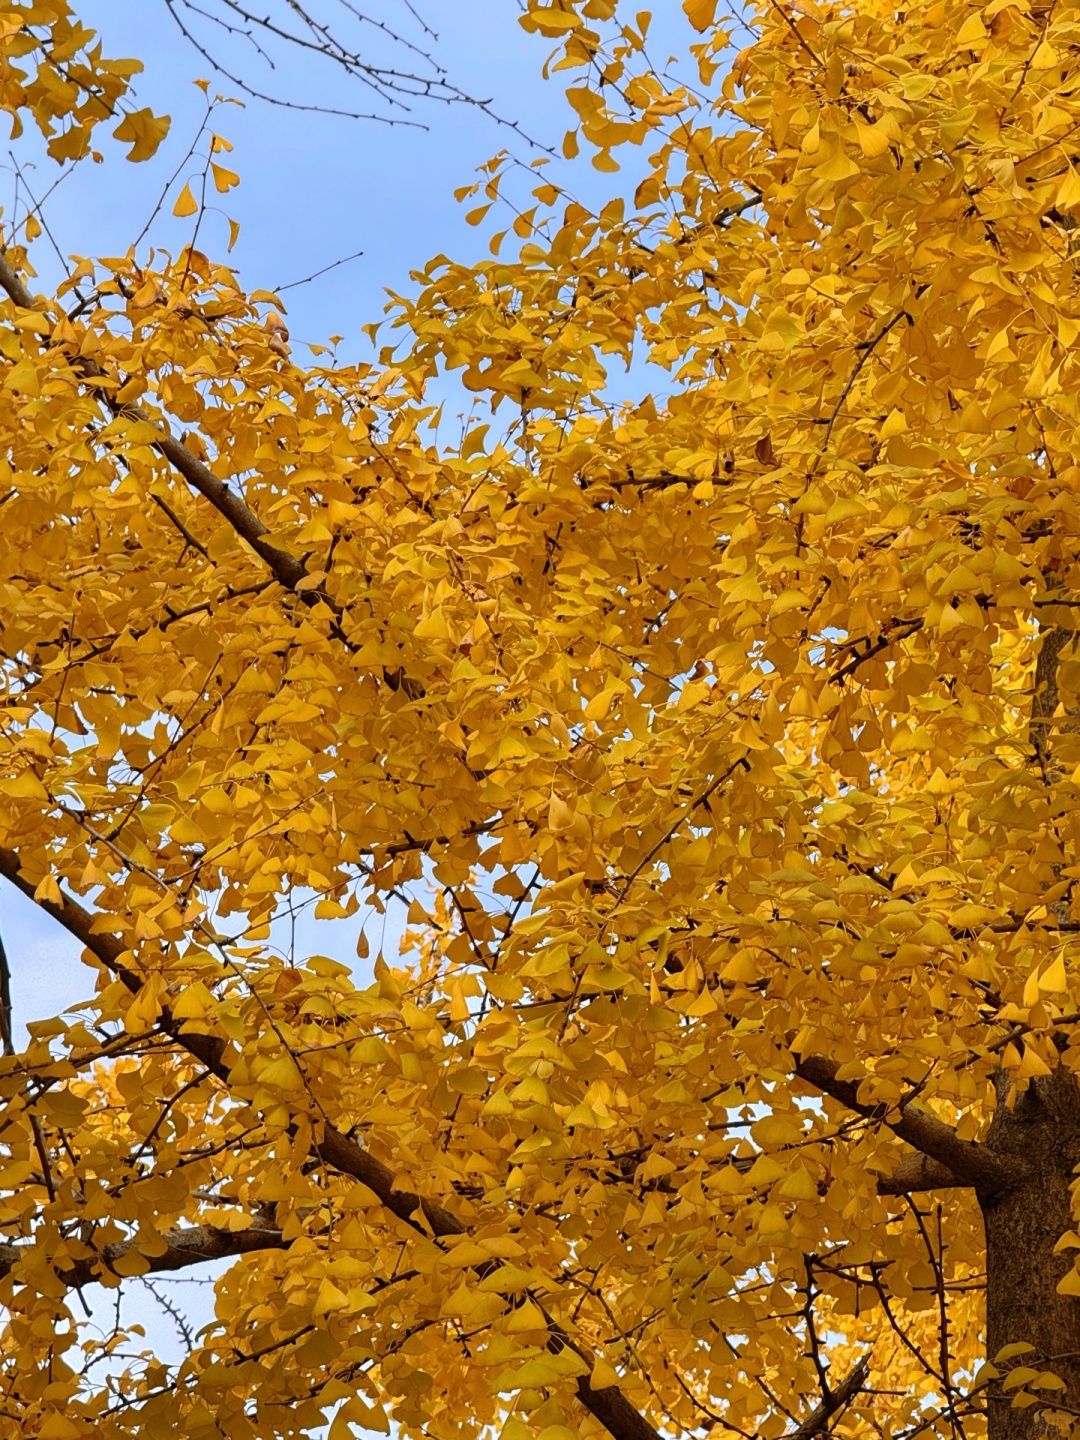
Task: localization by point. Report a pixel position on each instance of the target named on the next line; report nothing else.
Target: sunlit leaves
(185, 204)
(54, 71)
(143, 131)
(694, 733)
(224, 179)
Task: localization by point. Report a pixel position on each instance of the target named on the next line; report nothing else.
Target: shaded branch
(6, 1026)
(968, 1163)
(891, 634)
(918, 1172)
(194, 1245)
(836, 1400)
(191, 539)
(619, 1417)
(615, 1412)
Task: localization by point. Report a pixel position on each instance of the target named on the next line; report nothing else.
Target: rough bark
(916, 1173)
(1023, 1224)
(834, 1403)
(1038, 1131)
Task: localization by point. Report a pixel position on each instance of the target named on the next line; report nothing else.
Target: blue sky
(315, 188)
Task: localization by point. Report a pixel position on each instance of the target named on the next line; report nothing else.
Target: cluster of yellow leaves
(707, 724)
(52, 69)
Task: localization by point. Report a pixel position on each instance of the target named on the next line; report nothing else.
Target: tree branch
(835, 1401)
(192, 540)
(79, 922)
(194, 1245)
(967, 1162)
(7, 1044)
(891, 634)
(286, 568)
(618, 1416)
(917, 1172)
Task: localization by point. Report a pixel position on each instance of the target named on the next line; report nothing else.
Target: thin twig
(867, 347)
(195, 543)
(292, 285)
(43, 1156)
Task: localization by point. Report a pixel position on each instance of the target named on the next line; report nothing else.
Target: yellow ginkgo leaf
(224, 180)
(186, 204)
(329, 1299)
(1054, 978)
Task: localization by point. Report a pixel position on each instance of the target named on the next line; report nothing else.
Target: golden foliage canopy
(722, 745)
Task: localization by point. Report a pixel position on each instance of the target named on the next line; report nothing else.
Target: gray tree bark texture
(1040, 1134)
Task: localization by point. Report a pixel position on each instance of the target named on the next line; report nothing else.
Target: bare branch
(6, 1026)
(399, 89)
(293, 284)
(918, 1172)
(891, 634)
(192, 540)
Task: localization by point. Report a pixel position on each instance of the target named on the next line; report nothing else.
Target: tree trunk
(1023, 1224)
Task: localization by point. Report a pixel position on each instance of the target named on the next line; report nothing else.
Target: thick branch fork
(942, 1161)
(834, 1402)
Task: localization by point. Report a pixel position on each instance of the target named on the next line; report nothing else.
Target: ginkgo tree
(723, 742)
